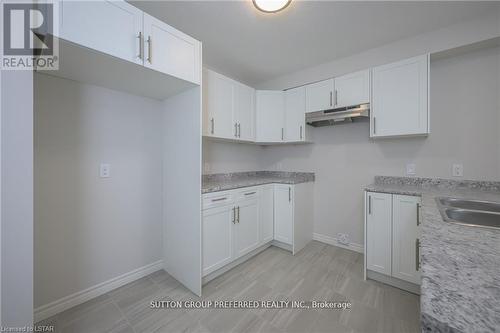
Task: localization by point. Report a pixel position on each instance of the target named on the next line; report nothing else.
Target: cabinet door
(352, 89)
(111, 27)
(219, 105)
(267, 214)
(245, 112)
(405, 232)
(400, 98)
(217, 238)
(319, 96)
(378, 232)
(295, 111)
(246, 227)
(270, 116)
(283, 213)
(170, 51)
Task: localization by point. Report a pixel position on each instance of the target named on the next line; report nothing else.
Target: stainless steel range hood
(338, 115)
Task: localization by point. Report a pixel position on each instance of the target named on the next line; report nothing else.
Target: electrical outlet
(104, 170)
(279, 166)
(411, 169)
(343, 238)
(457, 170)
(206, 167)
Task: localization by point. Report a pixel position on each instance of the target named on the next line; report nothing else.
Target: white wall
(17, 199)
(465, 128)
(88, 229)
(222, 157)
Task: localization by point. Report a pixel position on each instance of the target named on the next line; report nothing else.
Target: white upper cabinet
(219, 103)
(319, 95)
(400, 98)
(295, 114)
(170, 51)
(405, 235)
(121, 30)
(228, 108)
(111, 27)
(245, 112)
(352, 89)
(270, 116)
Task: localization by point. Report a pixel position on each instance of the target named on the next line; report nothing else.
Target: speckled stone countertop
(460, 265)
(228, 181)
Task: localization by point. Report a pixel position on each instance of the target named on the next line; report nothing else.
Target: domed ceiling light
(271, 6)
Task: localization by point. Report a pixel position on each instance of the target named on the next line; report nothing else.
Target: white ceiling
(254, 47)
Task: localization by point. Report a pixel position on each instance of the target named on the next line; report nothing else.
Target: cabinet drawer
(248, 193)
(217, 199)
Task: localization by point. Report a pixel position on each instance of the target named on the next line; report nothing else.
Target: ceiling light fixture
(271, 6)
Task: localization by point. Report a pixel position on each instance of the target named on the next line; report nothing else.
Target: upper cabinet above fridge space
(99, 40)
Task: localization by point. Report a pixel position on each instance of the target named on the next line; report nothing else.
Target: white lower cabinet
(378, 232)
(217, 238)
(267, 213)
(237, 222)
(392, 235)
(283, 214)
(406, 233)
(246, 227)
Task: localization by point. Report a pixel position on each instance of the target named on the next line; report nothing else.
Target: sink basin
(470, 204)
(473, 218)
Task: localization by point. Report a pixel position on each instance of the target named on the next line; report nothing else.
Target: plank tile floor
(318, 272)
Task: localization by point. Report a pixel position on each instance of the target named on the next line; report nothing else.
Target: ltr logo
(28, 29)
(28, 40)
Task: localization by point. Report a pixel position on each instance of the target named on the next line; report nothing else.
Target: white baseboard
(53, 308)
(333, 241)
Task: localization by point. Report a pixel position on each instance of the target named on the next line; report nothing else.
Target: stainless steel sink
(473, 217)
(470, 212)
(470, 204)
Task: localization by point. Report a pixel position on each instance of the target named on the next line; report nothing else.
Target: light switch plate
(457, 170)
(411, 169)
(104, 170)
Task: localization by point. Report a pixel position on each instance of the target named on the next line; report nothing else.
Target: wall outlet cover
(206, 167)
(457, 170)
(343, 238)
(411, 169)
(104, 170)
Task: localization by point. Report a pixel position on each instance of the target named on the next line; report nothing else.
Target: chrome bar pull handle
(239, 130)
(235, 130)
(374, 125)
(335, 100)
(150, 48)
(331, 93)
(418, 214)
(369, 204)
(212, 129)
(289, 194)
(219, 199)
(300, 132)
(238, 214)
(141, 46)
(234, 215)
(282, 134)
(417, 254)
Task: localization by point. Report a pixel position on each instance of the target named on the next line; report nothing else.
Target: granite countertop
(460, 265)
(228, 181)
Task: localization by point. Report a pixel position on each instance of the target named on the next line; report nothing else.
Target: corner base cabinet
(392, 234)
(238, 223)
